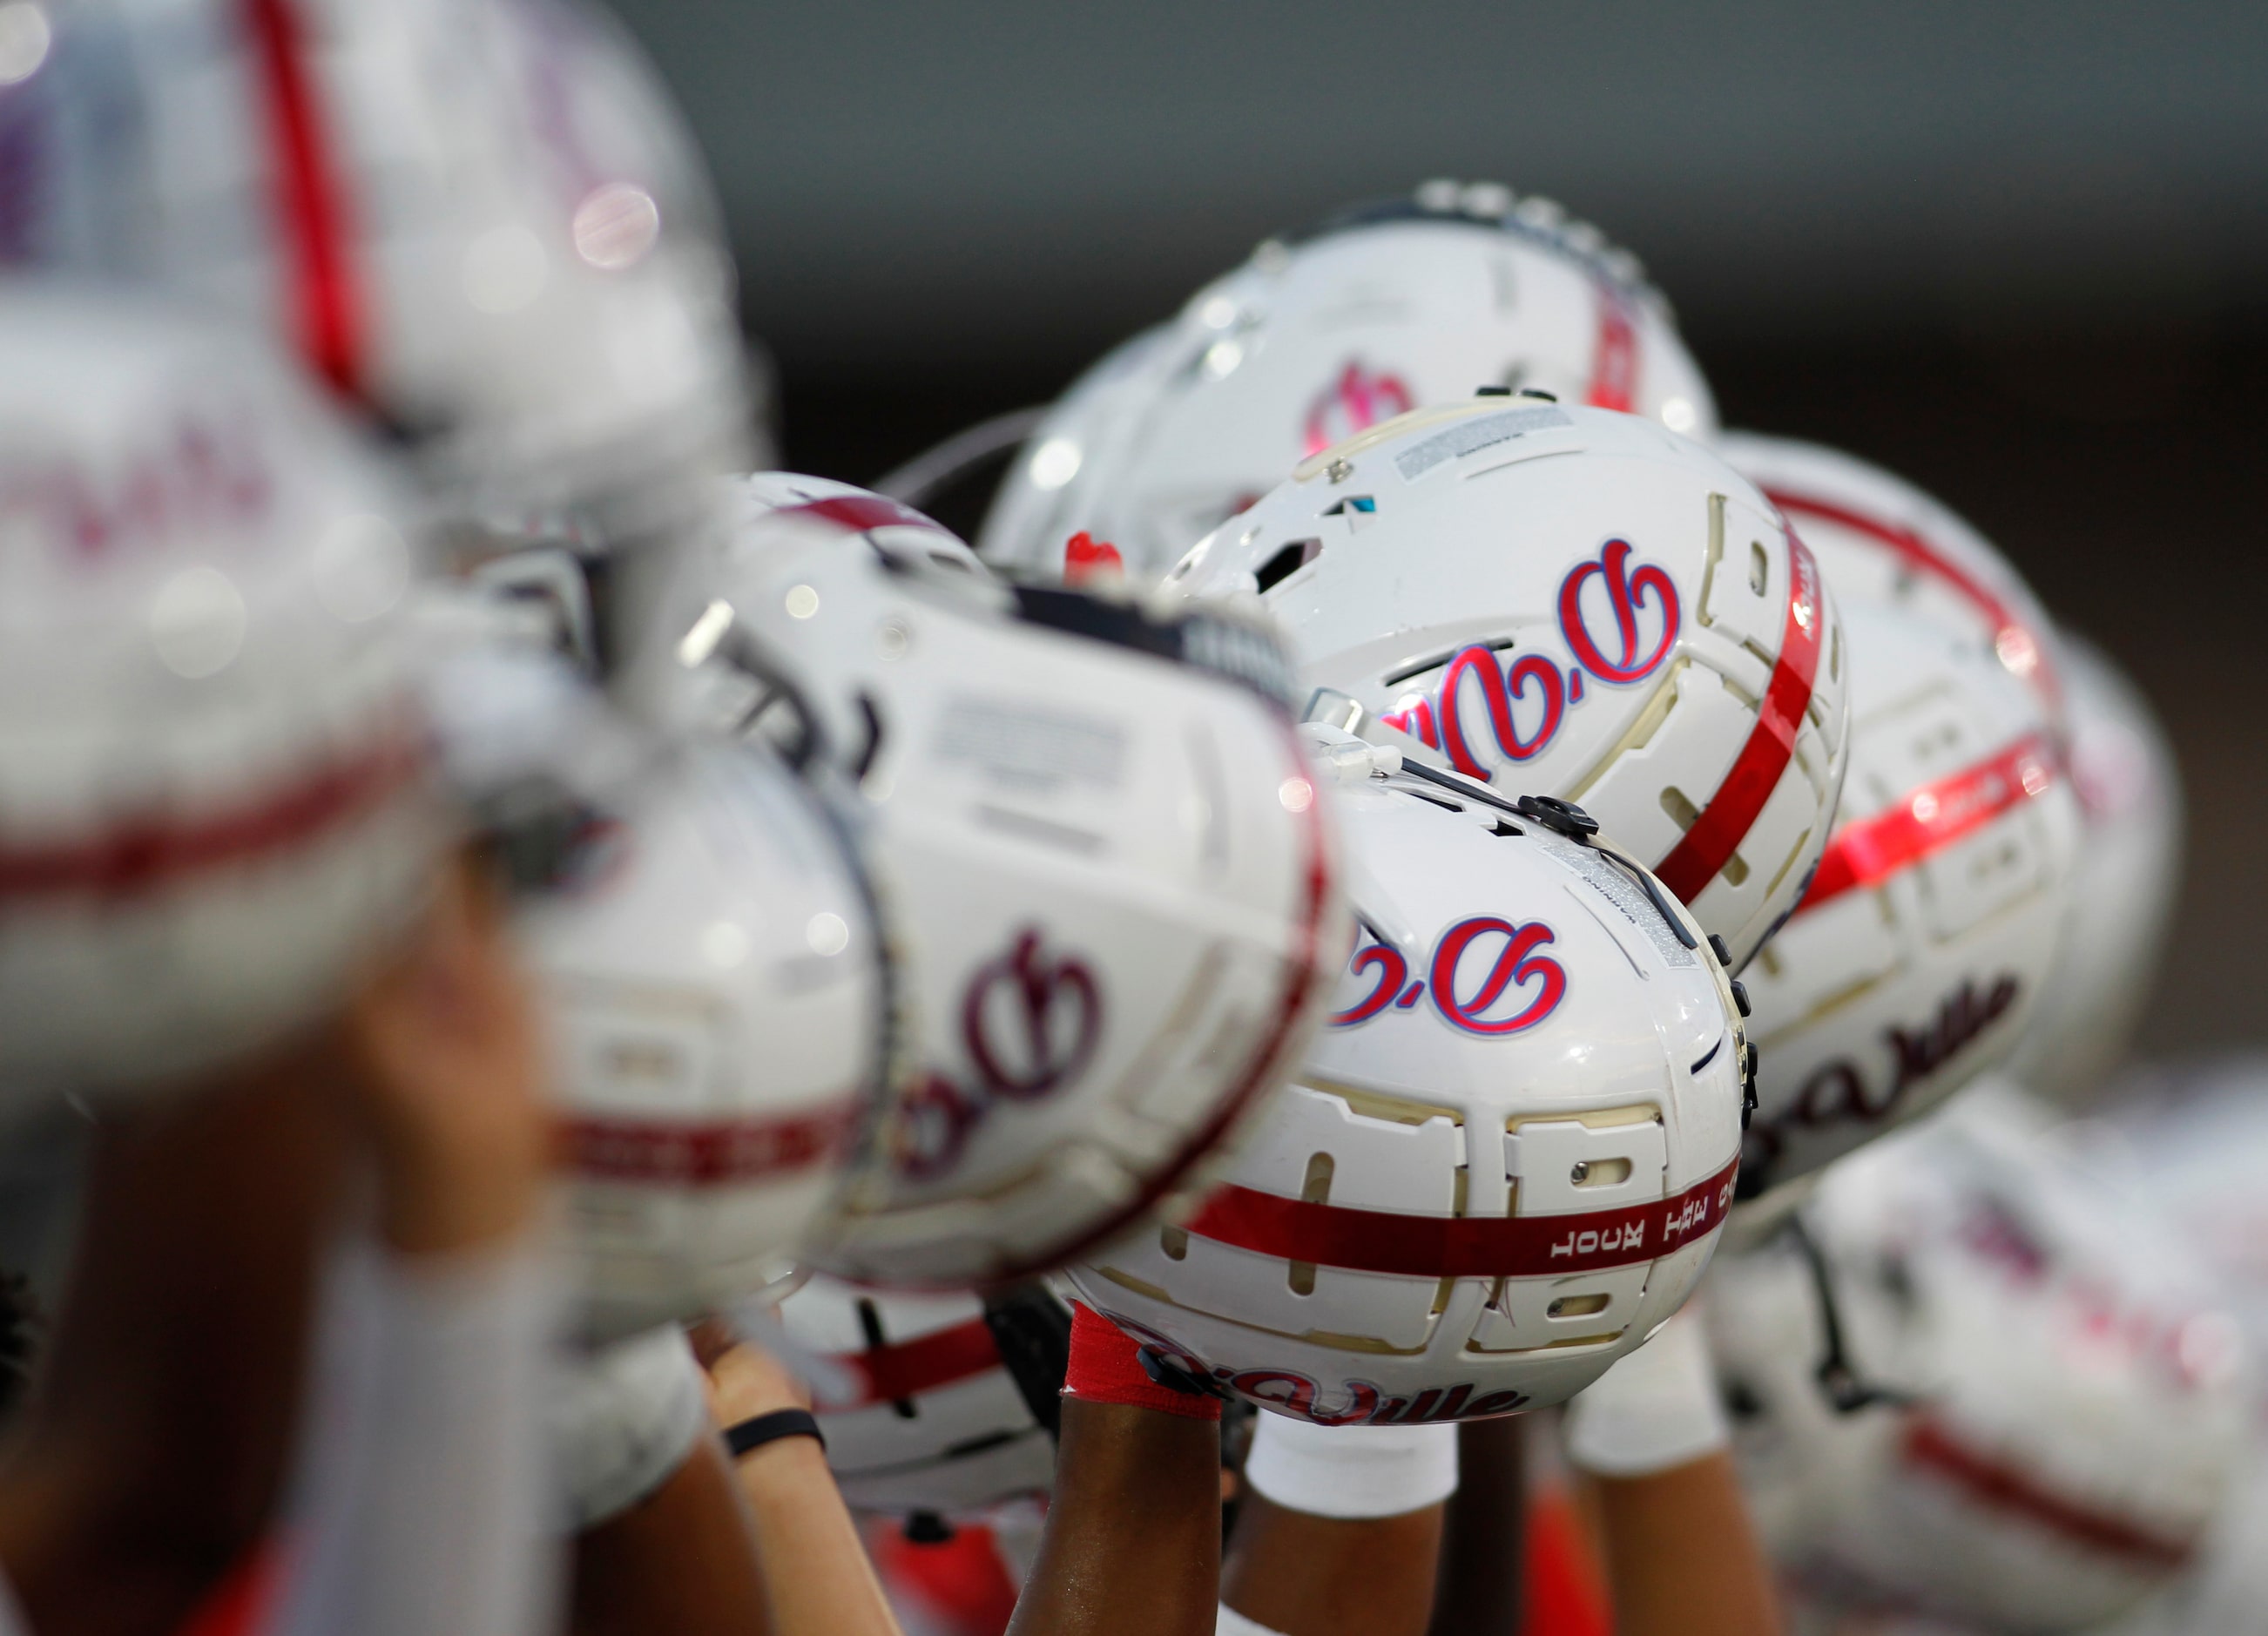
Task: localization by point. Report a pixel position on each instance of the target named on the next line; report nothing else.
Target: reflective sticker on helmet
(1469, 436)
(1721, 826)
(1441, 1247)
(1868, 850)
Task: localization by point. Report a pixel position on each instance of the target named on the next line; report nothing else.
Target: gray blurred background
(2017, 252)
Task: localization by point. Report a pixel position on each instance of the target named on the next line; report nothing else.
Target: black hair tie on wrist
(755, 1432)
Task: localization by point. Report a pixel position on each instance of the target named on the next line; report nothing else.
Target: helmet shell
(1500, 1167)
(479, 220)
(714, 980)
(1387, 308)
(2067, 1402)
(1929, 930)
(937, 1422)
(1113, 881)
(215, 794)
(2128, 872)
(1572, 602)
(1880, 538)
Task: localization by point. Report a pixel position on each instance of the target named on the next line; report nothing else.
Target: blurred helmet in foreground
(1880, 538)
(942, 1418)
(214, 791)
(2130, 865)
(2060, 1406)
(1571, 602)
(1503, 1164)
(708, 956)
(1386, 308)
(479, 220)
(1917, 957)
(1115, 886)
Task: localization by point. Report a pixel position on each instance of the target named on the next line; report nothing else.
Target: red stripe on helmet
(145, 854)
(310, 200)
(2000, 1487)
(1914, 551)
(1724, 823)
(719, 1153)
(1447, 1247)
(902, 1369)
(1868, 850)
(1614, 365)
(858, 512)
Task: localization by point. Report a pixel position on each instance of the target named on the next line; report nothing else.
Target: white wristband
(1351, 1470)
(621, 1420)
(1229, 1622)
(1655, 1409)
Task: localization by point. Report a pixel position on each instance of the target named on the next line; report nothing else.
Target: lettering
(1031, 1024)
(1627, 595)
(1516, 965)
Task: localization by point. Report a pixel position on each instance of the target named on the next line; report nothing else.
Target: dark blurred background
(2017, 252)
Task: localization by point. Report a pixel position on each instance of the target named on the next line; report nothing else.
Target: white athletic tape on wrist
(1229, 1622)
(1351, 1470)
(622, 1419)
(1655, 1409)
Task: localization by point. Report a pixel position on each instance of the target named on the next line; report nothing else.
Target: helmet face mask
(1570, 602)
(1112, 884)
(1499, 1168)
(1381, 312)
(215, 794)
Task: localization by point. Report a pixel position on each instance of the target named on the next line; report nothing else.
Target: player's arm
(1132, 1544)
(817, 1579)
(1340, 1532)
(1681, 1556)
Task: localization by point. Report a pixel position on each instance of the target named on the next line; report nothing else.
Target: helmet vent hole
(1682, 811)
(1175, 1241)
(1286, 562)
(1759, 567)
(1578, 1306)
(1316, 1190)
(1599, 1172)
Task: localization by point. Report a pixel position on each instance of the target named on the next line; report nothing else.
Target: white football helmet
(1114, 881)
(1927, 935)
(1383, 309)
(1504, 1163)
(1880, 538)
(215, 793)
(2050, 1406)
(715, 984)
(1576, 603)
(479, 220)
(943, 1420)
(2130, 866)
